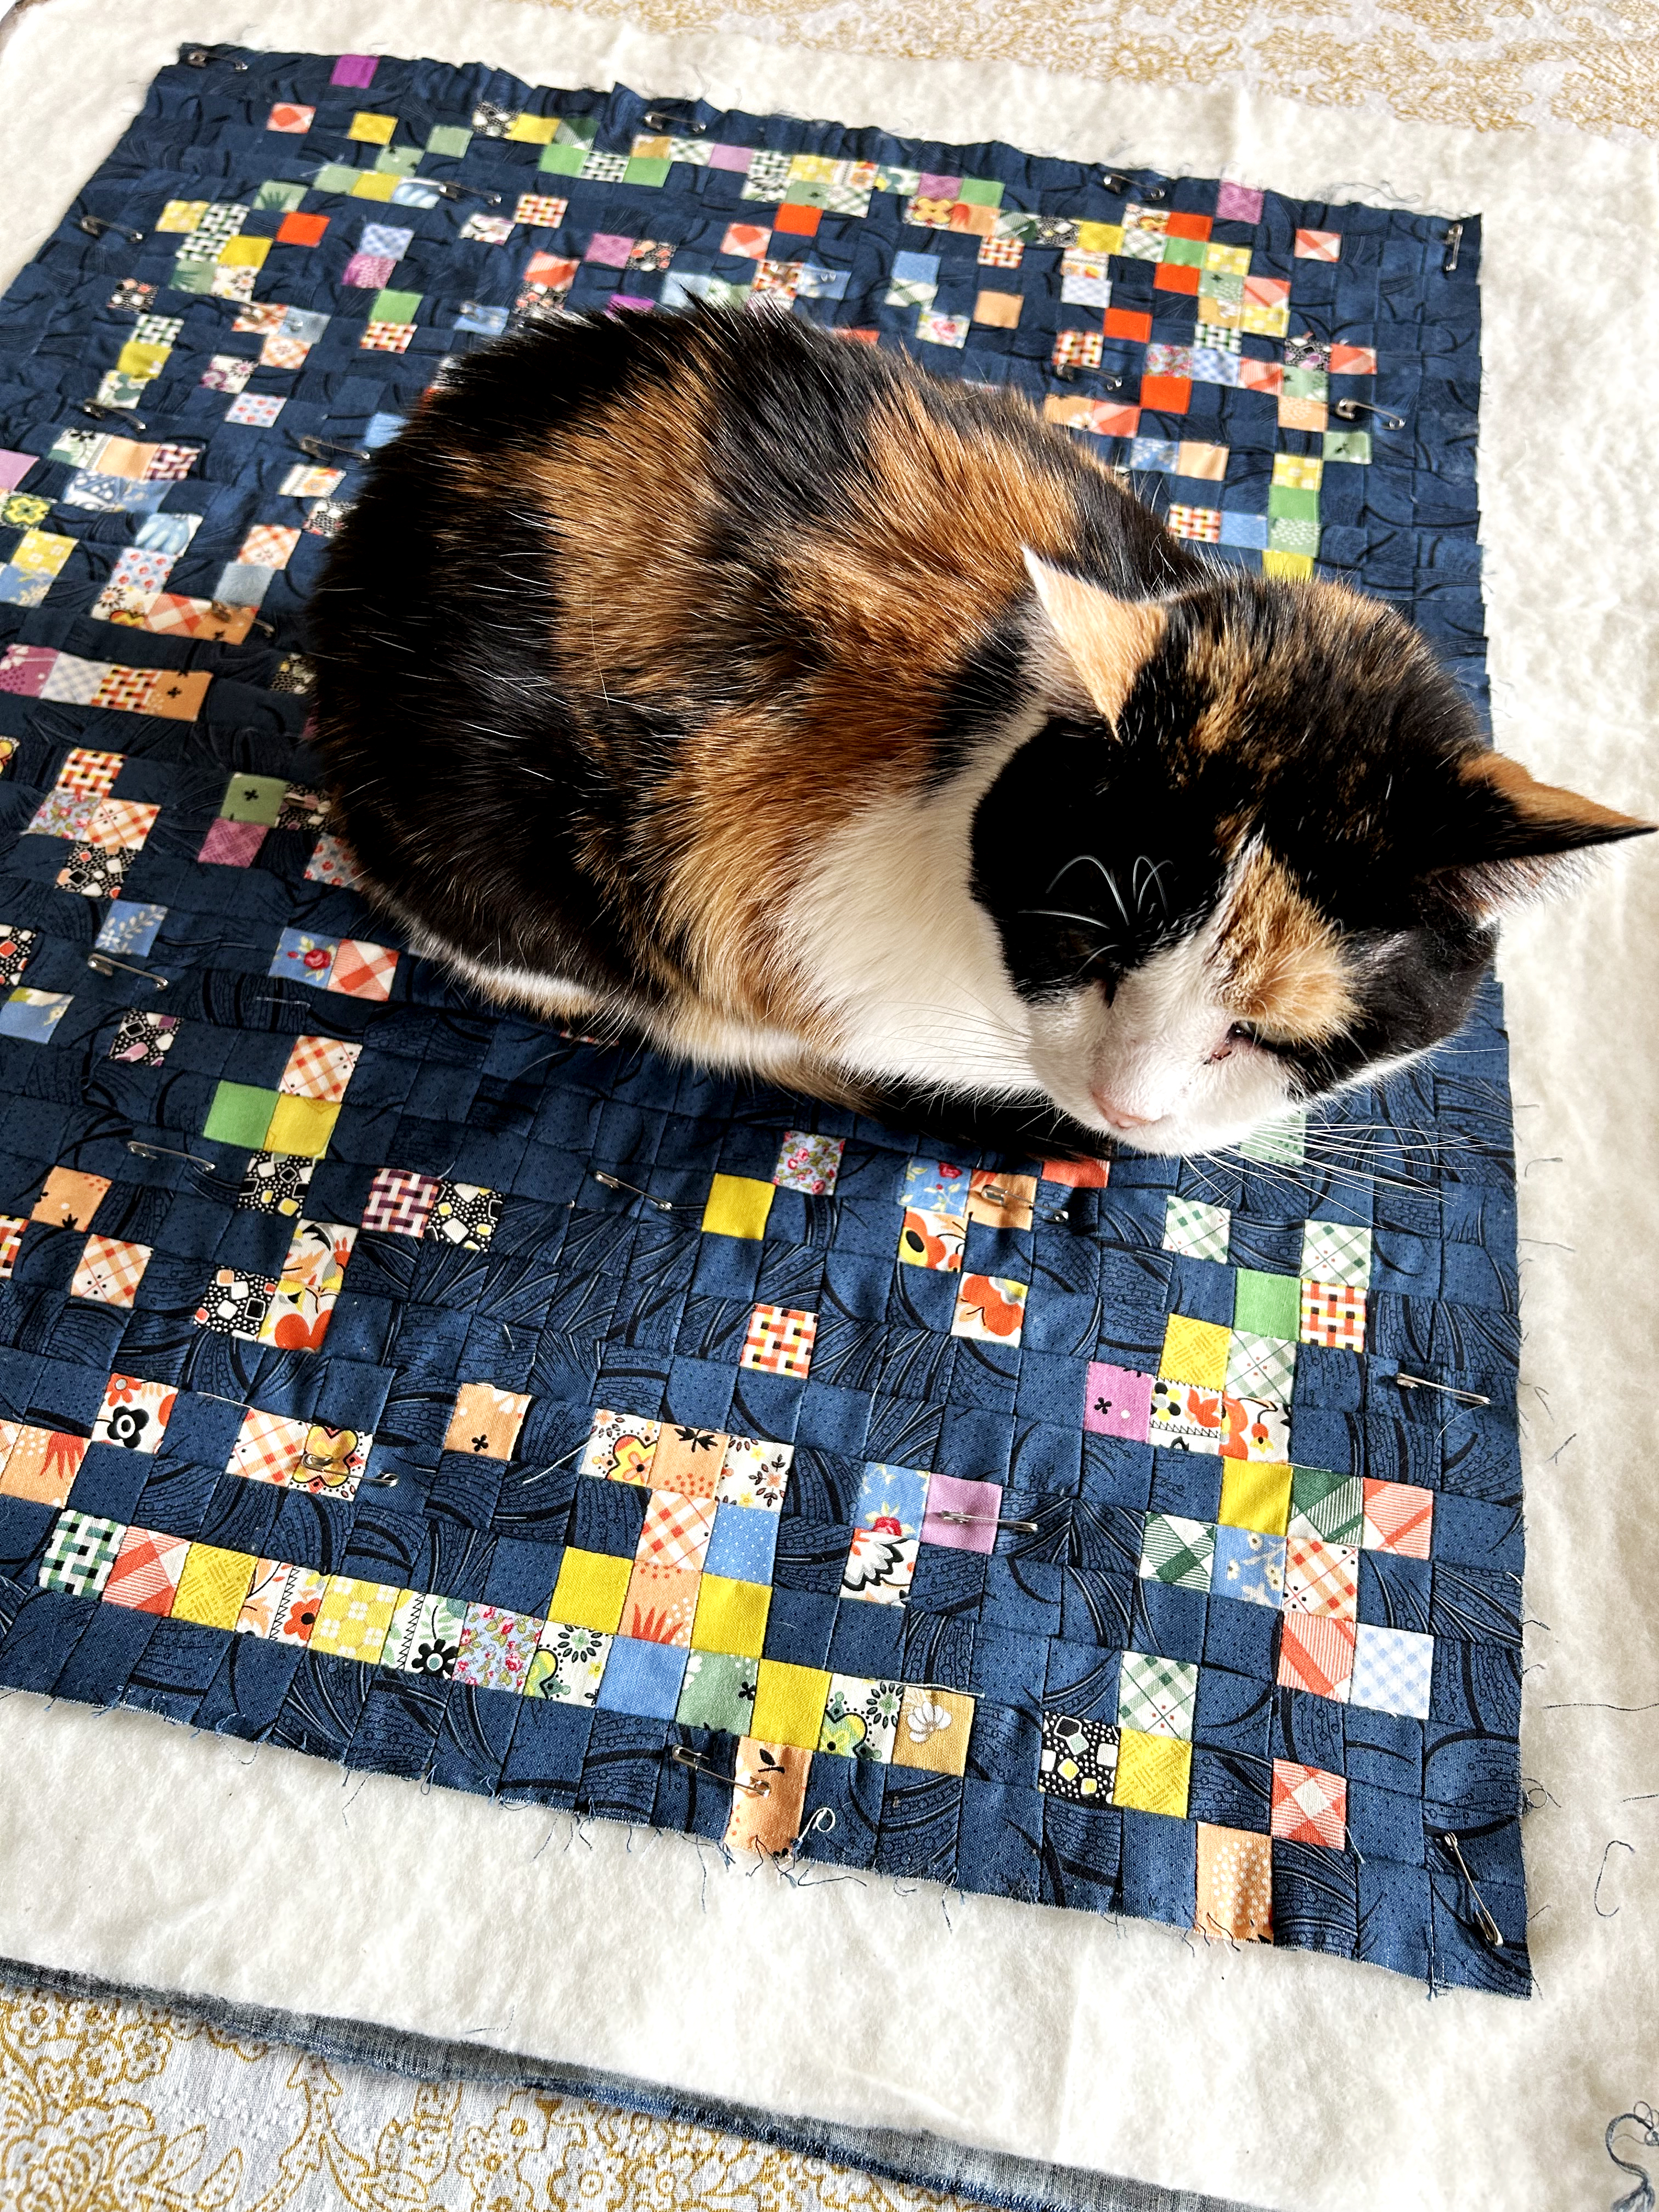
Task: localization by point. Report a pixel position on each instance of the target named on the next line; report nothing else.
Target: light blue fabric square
(742, 1545)
(1248, 1565)
(643, 1678)
(131, 927)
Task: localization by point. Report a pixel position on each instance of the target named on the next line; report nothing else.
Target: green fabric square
(1198, 1231)
(1157, 1695)
(397, 161)
(1176, 1551)
(1217, 284)
(644, 169)
(981, 191)
(391, 307)
(1289, 499)
(254, 799)
(719, 1692)
(1187, 252)
(1307, 384)
(1278, 1144)
(1328, 1505)
(240, 1115)
(1267, 1305)
(451, 139)
(1348, 445)
(562, 161)
(577, 130)
(336, 177)
(721, 293)
(276, 193)
(191, 276)
(1261, 1368)
(807, 191)
(1288, 534)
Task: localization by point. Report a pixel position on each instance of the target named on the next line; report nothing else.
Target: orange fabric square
(969, 215)
(1189, 226)
(41, 1465)
(1128, 323)
(687, 1460)
(1175, 277)
(301, 230)
(676, 1534)
(661, 1603)
(69, 1198)
(179, 695)
(1399, 1517)
(803, 221)
(999, 310)
(1235, 1884)
(1317, 1655)
(363, 970)
(1166, 395)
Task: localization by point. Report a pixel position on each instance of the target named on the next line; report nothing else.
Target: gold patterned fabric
(113, 2106)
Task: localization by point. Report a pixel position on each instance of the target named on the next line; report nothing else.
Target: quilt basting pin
(1352, 409)
(320, 448)
(205, 57)
(103, 965)
(1489, 1927)
(616, 1182)
(1116, 181)
(1403, 1381)
(101, 412)
(1453, 242)
(453, 189)
(660, 118)
(96, 226)
(683, 1755)
(958, 1520)
(143, 1152)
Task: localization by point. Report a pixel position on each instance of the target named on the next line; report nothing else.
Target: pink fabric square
(609, 249)
(354, 70)
(731, 157)
(14, 467)
(232, 844)
(938, 188)
(948, 1494)
(1237, 203)
(1119, 1403)
(368, 273)
(24, 669)
(630, 302)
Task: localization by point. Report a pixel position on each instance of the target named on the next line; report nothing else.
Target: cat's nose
(1120, 1116)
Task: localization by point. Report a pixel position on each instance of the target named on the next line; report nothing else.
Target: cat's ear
(1520, 836)
(1092, 644)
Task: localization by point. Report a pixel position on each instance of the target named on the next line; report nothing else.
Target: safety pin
(320, 448)
(1070, 372)
(103, 965)
(684, 1756)
(102, 411)
(96, 226)
(204, 56)
(660, 119)
(958, 1520)
(453, 189)
(1117, 180)
(1352, 409)
(1446, 1389)
(1489, 1927)
(1452, 242)
(162, 1152)
(616, 1182)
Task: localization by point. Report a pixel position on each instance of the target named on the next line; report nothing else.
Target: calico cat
(716, 680)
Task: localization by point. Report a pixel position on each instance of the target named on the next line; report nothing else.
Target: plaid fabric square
(143, 1040)
(1001, 252)
(1316, 1655)
(387, 337)
(267, 1448)
(120, 825)
(1077, 349)
(1156, 1696)
(318, 1067)
(1322, 1578)
(540, 211)
(77, 681)
(269, 545)
(80, 1553)
(1261, 1367)
(1399, 1517)
(109, 1271)
(1334, 1314)
(146, 1571)
(1335, 1252)
(1392, 1671)
(808, 1163)
(779, 1341)
(464, 1214)
(399, 1201)
(1178, 1551)
(1197, 1230)
(1078, 1760)
(170, 464)
(1309, 1805)
(677, 1531)
(1318, 245)
(363, 970)
(1328, 1505)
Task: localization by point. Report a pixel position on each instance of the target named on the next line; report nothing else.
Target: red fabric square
(1127, 323)
(1166, 395)
(1317, 1655)
(146, 1571)
(1399, 1517)
(1175, 277)
(301, 230)
(1189, 226)
(1310, 1806)
(804, 220)
(363, 970)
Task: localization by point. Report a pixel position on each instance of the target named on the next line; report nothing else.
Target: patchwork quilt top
(409, 1385)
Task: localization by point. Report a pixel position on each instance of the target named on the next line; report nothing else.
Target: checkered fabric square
(1178, 1551)
(1262, 1368)
(91, 775)
(319, 1067)
(1334, 1314)
(269, 545)
(1198, 1230)
(1156, 1696)
(110, 1271)
(80, 1553)
(1322, 1578)
(1309, 1805)
(12, 1226)
(1335, 1252)
(1393, 1670)
(677, 1530)
(363, 971)
(146, 1572)
(779, 1341)
(267, 1448)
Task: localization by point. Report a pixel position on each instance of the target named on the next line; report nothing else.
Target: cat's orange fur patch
(1283, 967)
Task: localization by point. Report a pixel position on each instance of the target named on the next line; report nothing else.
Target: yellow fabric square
(934, 1729)
(181, 214)
(213, 1585)
(1154, 1773)
(139, 358)
(732, 1616)
(789, 1703)
(533, 129)
(590, 1590)
(353, 1619)
(738, 1206)
(1286, 564)
(244, 252)
(1301, 472)
(1227, 260)
(371, 185)
(1194, 1351)
(374, 130)
(1100, 237)
(302, 1126)
(1255, 1497)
